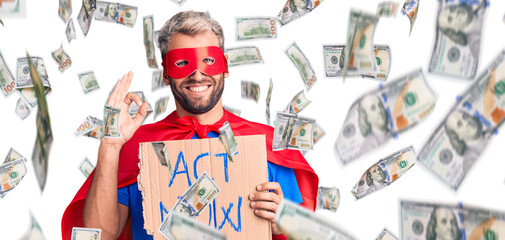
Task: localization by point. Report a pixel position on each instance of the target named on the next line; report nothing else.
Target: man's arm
(101, 209)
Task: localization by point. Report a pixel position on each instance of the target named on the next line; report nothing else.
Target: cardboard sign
(230, 211)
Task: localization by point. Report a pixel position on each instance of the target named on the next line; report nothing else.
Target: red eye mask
(182, 62)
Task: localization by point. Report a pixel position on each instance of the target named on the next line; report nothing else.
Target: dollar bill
(88, 125)
(156, 34)
(299, 223)
(148, 41)
(302, 64)
(232, 110)
(409, 9)
(160, 106)
(22, 110)
(7, 82)
(11, 173)
(24, 82)
(134, 108)
(13, 155)
(387, 9)
(384, 172)
(247, 28)
(65, 9)
(44, 139)
(243, 55)
(458, 141)
(115, 12)
(269, 97)
(111, 122)
(457, 44)
(88, 81)
(86, 233)
(298, 103)
(481, 223)
(317, 134)
(179, 2)
(70, 30)
(96, 132)
(161, 152)
(177, 226)
(86, 167)
(386, 235)
(197, 197)
(158, 82)
(85, 16)
(250, 90)
(295, 9)
(62, 58)
(334, 62)
(35, 231)
(292, 132)
(13, 8)
(384, 113)
(228, 139)
(328, 198)
(360, 47)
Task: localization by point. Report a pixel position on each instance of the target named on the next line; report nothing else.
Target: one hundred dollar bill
(458, 141)
(111, 122)
(24, 83)
(360, 47)
(255, 28)
(86, 233)
(386, 235)
(62, 58)
(381, 114)
(88, 125)
(197, 197)
(86, 167)
(302, 64)
(7, 82)
(228, 139)
(334, 62)
(295, 9)
(115, 12)
(250, 90)
(328, 198)
(22, 110)
(156, 34)
(148, 41)
(299, 223)
(292, 132)
(298, 103)
(458, 38)
(134, 108)
(34, 232)
(88, 81)
(70, 30)
(13, 155)
(387, 9)
(384, 172)
(65, 9)
(481, 223)
(85, 16)
(177, 226)
(317, 134)
(269, 98)
(232, 110)
(243, 55)
(157, 82)
(160, 106)
(410, 9)
(11, 173)
(161, 152)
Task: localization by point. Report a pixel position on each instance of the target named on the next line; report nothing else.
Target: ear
(166, 81)
(226, 74)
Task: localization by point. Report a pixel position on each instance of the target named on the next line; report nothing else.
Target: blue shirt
(131, 197)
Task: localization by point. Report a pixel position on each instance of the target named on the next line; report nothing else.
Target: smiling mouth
(198, 89)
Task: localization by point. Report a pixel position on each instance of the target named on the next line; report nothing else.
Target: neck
(210, 117)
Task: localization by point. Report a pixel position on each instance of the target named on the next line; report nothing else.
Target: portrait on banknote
(372, 121)
(443, 224)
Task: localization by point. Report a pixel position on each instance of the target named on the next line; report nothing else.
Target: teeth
(198, 89)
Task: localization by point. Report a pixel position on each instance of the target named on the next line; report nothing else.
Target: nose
(197, 75)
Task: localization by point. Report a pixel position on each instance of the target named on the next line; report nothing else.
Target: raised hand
(265, 203)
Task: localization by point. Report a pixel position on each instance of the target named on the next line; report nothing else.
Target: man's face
(197, 93)
(376, 174)
(445, 223)
(111, 10)
(454, 17)
(465, 126)
(300, 4)
(375, 112)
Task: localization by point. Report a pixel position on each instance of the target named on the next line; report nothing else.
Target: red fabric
(194, 60)
(279, 237)
(174, 128)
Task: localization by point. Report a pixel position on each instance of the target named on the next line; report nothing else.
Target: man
(194, 66)
(373, 122)
(443, 225)
(375, 179)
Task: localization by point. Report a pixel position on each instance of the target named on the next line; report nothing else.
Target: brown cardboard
(247, 171)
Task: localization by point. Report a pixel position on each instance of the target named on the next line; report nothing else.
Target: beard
(198, 106)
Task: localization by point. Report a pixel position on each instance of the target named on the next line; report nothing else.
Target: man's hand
(120, 98)
(265, 203)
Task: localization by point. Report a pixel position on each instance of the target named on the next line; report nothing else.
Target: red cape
(174, 128)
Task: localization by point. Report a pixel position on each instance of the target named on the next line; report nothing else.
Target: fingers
(132, 97)
(142, 113)
(265, 214)
(265, 196)
(117, 95)
(127, 79)
(274, 186)
(264, 205)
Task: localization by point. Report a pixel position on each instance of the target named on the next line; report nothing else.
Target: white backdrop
(111, 50)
